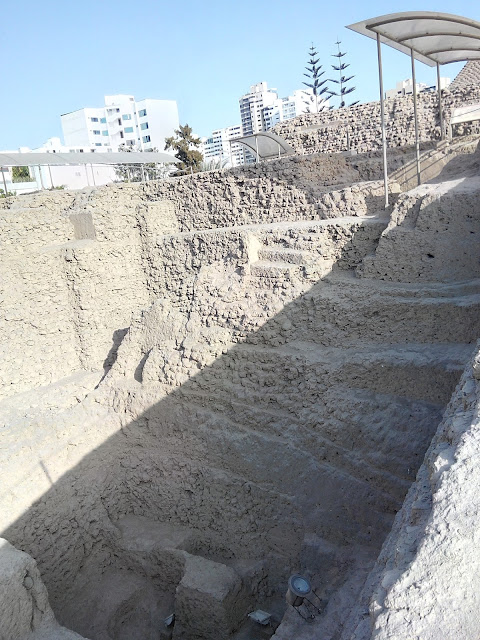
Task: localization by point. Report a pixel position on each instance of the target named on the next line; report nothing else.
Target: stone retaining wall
(326, 132)
(76, 266)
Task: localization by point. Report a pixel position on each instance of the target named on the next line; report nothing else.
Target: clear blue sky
(58, 56)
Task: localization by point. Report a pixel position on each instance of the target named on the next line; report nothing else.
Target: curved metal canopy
(433, 37)
(266, 144)
(430, 37)
(135, 157)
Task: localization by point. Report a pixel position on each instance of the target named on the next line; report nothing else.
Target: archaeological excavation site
(215, 382)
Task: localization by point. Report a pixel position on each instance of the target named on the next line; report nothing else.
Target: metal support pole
(382, 115)
(143, 172)
(256, 148)
(50, 174)
(86, 173)
(4, 181)
(279, 150)
(415, 115)
(41, 178)
(440, 108)
(93, 175)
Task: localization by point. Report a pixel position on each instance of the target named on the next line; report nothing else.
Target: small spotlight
(298, 590)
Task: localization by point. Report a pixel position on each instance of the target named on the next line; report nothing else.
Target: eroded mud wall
(75, 267)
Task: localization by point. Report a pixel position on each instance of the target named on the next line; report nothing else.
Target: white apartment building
(405, 87)
(261, 109)
(252, 105)
(220, 147)
(286, 108)
(143, 124)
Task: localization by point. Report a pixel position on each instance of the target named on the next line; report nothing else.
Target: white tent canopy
(266, 144)
(430, 37)
(44, 159)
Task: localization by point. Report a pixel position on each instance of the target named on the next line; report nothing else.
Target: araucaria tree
(185, 144)
(315, 100)
(342, 80)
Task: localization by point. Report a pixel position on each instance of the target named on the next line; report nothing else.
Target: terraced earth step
(330, 320)
(373, 450)
(269, 269)
(293, 256)
(316, 268)
(266, 229)
(372, 424)
(304, 371)
(372, 351)
(349, 281)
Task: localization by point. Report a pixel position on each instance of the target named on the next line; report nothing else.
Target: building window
(94, 119)
(104, 133)
(96, 132)
(128, 129)
(126, 116)
(119, 122)
(142, 113)
(146, 138)
(144, 125)
(121, 134)
(98, 144)
(103, 120)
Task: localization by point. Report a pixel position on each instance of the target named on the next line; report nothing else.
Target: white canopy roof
(31, 159)
(269, 144)
(434, 37)
(468, 113)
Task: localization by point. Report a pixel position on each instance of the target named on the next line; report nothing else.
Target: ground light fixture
(299, 588)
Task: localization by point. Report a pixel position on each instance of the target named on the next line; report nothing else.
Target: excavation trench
(265, 416)
(291, 452)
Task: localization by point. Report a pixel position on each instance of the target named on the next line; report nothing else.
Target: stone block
(210, 601)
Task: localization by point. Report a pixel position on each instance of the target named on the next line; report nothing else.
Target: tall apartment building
(286, 108)
(219, 146)
(261, 109)
(251, 111)
(252, 105)
(122, 121)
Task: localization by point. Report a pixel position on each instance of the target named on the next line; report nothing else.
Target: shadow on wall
(296, 443)
(117, 338)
